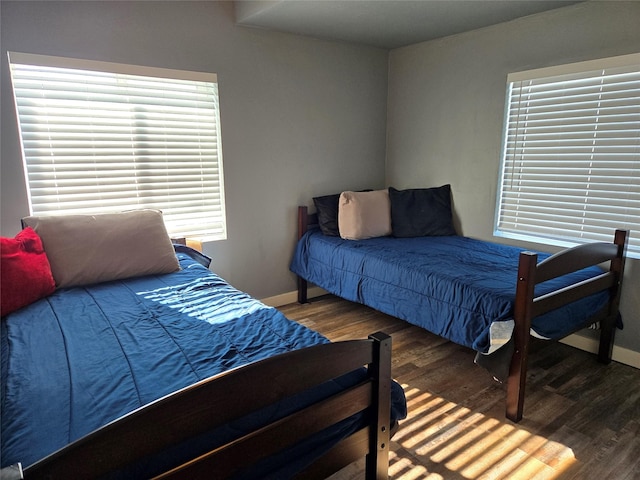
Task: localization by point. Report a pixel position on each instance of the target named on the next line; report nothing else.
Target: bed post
(522, 317)
(608, 325)
(377, 461)
(302, 229)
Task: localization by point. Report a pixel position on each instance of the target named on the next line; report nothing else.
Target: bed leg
(302, 290)
(607, 334)
(516, 384)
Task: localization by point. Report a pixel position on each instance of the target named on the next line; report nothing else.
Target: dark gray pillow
(421, 212)
(327, 210)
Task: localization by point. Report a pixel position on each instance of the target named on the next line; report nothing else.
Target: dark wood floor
(581, 420)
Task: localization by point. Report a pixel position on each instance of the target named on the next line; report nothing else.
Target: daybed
(486, 296)
(173, 373)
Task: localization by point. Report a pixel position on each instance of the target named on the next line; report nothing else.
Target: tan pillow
(87, 249)
(364, 214)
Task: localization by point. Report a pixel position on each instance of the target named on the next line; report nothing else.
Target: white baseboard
(620, 354)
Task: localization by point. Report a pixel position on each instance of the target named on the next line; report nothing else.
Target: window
(102, 137)
(571, 158)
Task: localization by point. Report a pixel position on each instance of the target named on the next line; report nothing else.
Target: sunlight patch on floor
(441, 436)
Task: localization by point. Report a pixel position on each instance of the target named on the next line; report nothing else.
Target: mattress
(85, 356)
(460, 288)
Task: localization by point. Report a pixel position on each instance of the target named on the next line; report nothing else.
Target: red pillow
(24, 271)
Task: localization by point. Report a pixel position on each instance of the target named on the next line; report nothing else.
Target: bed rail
(225, 397)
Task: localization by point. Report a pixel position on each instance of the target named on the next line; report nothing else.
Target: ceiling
(384, 23)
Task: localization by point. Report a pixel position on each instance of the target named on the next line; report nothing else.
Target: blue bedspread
(85, 356)
(453, 286)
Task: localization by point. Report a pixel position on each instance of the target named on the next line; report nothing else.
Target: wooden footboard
(527, 306)
(218, 400)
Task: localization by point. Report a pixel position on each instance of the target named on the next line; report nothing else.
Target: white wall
(446, 108)
(300, 117)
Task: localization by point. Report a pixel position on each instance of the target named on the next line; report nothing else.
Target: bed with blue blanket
(137, 377)
(488, 297)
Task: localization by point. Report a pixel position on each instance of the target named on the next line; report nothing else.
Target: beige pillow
(87, 249)
(364, 214)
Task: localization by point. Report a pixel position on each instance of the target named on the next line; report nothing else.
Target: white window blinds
(571, 161)
(101, 137)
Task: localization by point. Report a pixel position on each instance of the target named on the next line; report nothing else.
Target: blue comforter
(85, 356)
(457, 287)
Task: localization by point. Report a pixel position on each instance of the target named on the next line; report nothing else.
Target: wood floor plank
(581, 419)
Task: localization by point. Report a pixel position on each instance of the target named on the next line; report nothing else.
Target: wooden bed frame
(527, 307)
(225, 397)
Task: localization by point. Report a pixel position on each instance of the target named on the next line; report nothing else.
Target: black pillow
(327, 210)
(421, 212)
